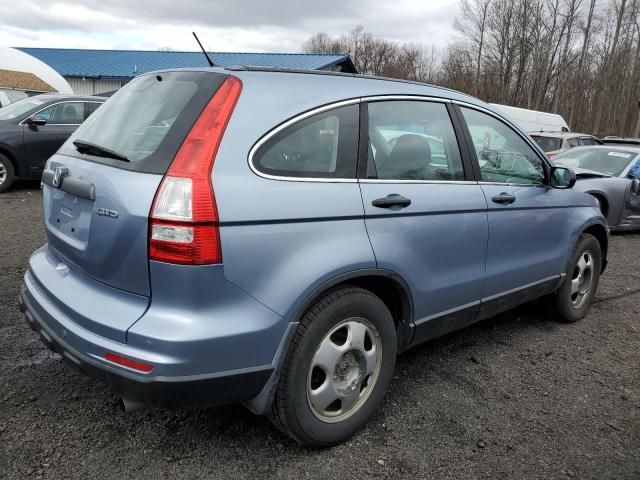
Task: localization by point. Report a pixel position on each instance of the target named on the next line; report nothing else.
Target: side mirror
(37, 120)
(562, 177)
(635, 186)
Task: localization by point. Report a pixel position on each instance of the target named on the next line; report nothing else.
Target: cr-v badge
(105, 212)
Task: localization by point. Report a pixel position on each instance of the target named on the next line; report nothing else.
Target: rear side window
(321, 146)
(412, 140)
(548, 144)
(147, 120)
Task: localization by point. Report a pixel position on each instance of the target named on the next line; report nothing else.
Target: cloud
(223, 25)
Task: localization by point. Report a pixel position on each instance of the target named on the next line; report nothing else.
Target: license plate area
(70, 216)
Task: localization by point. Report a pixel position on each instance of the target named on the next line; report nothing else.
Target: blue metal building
(91, 72)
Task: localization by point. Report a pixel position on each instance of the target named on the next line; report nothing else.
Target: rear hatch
(99, 188)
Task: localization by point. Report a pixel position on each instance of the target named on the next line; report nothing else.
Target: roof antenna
(203, 50)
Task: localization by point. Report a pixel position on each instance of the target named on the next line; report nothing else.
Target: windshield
(146, 121)
(607, 162)
(548, 144)
(19, 108)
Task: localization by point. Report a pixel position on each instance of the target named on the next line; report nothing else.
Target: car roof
(560, 134)
(354, 85)
(56, 97)
(611, 148)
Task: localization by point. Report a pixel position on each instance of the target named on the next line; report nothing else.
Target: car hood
(584, 173)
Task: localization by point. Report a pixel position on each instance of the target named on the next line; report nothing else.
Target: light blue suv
(276, 238)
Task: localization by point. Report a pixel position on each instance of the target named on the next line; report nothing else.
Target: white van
(533, 121)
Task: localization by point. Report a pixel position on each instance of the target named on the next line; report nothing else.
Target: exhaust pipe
(128, 406)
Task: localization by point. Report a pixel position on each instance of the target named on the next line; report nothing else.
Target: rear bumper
(156, 391)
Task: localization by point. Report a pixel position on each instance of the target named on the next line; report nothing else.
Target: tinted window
(573, 142)
(412, 140)
(148, 119)
(548, 144)
(89, 108)
(587, 141)
(322, 146)
(601, 160)
(503, 155)
(67, 113)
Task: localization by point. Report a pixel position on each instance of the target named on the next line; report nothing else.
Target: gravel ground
(518, 396)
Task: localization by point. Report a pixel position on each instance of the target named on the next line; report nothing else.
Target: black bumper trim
(160, 392)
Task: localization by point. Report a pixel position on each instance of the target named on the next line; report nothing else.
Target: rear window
(548, 144)
(147, 120)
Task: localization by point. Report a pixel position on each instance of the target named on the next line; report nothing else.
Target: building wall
(93, 86)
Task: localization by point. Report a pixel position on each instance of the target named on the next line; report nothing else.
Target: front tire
(338, 368)
(7, 173)
(574, 297)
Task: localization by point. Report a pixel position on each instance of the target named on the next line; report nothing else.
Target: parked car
(622, 141)
(252, 236)
(32, 129)
(612, 175)
(554, 143)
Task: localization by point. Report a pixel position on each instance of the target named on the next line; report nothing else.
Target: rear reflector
(184, 217)
(127, 362)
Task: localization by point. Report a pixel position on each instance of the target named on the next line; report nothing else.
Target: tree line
(578, 58)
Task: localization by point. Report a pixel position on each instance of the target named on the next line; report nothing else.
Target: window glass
(587, 141)
(599, 160)
(503, 155)
(548, 144)
(69, 113)
(89, 108)
(16, 109)
(322, 146)
(573, 142)
(412, 140)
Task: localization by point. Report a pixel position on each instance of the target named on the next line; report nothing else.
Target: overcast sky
(222, 25)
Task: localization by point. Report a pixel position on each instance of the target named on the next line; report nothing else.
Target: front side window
(503, 155)
(321, 146)
(68, 113)
(412, 140)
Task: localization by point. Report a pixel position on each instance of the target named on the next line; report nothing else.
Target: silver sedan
(612, 175)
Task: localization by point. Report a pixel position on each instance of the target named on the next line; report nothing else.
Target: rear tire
(574, 297)
(7, 173)
(337, 370)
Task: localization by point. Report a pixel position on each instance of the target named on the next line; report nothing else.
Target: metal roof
(126, 64)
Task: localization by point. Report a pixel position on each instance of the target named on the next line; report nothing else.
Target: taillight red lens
(184, 216)
(128, 362)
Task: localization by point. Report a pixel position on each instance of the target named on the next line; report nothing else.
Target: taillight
(128, 362)
(184, 217)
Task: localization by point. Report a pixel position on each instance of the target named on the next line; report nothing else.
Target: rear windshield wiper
(92, 148)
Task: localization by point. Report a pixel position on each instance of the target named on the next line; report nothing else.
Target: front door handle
(393, 200)
(504, 197)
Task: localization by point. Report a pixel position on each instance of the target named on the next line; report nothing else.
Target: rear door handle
(393, 200)
(504, 198)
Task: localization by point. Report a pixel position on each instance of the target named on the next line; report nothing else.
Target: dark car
(32, 130)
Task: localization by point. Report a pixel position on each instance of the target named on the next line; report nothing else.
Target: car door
(528, 220)
(42, 141)
(425, 215)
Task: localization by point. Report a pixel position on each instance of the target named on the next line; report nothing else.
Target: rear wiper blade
(94, 149)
